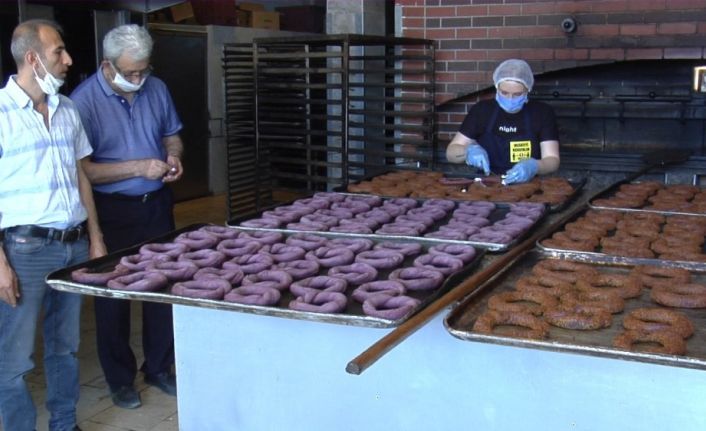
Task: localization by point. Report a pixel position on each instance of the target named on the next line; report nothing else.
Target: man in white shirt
(48, 222)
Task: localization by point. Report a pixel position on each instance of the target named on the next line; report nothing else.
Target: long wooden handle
(409, 326)
(361, 362)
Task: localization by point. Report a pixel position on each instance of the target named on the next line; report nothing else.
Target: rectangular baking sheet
(497, 214)
(576, 184)
(459, 322)
(610, 192)
(353, 315)
(598, 257)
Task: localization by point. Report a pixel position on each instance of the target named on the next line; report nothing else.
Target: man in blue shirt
(133, 128)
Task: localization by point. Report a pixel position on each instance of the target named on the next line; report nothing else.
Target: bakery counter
(252, 372)
(259, 372)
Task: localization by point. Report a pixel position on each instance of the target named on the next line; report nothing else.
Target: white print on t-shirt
(508, 129)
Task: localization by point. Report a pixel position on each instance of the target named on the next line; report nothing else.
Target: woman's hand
(477, 157)
(523, 171)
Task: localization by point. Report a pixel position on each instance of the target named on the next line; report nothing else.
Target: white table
(240, 371)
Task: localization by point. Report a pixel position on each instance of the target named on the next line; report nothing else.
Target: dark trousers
(125, 223)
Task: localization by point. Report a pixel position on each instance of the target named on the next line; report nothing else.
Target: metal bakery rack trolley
(313, 112)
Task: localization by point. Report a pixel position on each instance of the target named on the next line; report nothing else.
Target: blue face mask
(511, 104)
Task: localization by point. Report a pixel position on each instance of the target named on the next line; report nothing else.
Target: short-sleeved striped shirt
(38, 172)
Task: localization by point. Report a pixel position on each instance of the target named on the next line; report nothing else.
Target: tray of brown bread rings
(352, 281)
(491, 225)
(647, 313)
(556, 192)
(653, 196)
(628, 237)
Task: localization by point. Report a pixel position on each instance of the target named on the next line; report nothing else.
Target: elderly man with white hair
(133, 127)
(509, 135)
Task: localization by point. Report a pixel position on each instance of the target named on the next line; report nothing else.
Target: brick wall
(473, 36)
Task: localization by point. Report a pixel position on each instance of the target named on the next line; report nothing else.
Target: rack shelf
(326, 110)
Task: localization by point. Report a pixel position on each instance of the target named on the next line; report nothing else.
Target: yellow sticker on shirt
(520, 150)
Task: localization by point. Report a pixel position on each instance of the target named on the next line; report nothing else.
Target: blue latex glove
(523, 171)
(477, 157)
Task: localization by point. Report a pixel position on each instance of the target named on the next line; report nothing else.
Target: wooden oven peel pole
(406, 328)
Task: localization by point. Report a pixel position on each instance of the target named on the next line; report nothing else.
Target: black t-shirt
(542, 121)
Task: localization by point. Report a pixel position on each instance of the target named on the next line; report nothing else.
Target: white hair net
(514, 70)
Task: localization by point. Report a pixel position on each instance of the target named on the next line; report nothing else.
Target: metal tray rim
(655, 358)
(490, 246)
(610, 190)
(644, 210)
(371, 322)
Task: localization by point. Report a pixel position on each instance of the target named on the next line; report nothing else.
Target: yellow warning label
(520, 150)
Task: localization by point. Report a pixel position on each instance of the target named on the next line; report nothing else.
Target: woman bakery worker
(509, 135)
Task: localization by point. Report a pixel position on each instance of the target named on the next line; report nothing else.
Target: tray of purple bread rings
(352, 281)
(489, 225)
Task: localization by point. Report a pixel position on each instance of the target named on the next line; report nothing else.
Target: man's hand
(176, 170)
(152, 169)
(97, 249)
(9, 288)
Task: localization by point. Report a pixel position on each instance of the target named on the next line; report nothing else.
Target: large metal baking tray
(460, 320)
(615, 187)
(500, 211)
(609, 259)
(576, 184)
(61, 280)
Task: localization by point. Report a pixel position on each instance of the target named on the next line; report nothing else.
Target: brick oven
(620, 74)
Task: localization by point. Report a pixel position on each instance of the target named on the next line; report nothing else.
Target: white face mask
(124, 84)
(49, 84)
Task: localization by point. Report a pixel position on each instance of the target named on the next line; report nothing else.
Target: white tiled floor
(96, 411)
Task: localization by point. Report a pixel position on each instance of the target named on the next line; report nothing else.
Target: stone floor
(95, 408)
(96, 411)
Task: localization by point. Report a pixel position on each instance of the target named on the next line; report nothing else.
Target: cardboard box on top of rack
(251, 7)
(208, 12)
(264, 19)
(182, 11)
(258, 17)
